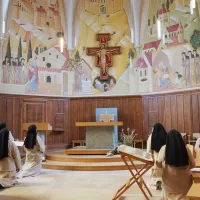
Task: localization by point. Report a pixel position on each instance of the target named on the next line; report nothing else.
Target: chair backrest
(196, 135)
(183, 134)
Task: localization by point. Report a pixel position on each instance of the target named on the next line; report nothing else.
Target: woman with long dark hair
(176, 160)
(10, 161)
(2, 126)
(34, 148)
(154, 143)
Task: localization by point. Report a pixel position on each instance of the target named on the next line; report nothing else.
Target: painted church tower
(164, 15)
(180, 34)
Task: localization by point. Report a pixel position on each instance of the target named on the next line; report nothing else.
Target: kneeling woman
(176, 160)
(154, 143)
(10, 161)
(34, 148)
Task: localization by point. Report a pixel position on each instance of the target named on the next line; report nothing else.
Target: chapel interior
(95, 76)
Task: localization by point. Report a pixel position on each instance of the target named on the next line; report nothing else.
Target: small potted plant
(127, 139)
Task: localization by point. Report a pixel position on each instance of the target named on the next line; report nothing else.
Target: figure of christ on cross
(104, 55)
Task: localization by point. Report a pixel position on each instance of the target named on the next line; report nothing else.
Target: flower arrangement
(127, 139)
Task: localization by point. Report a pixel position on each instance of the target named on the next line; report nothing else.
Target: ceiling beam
(3, 16)
(70, 6)
(136, 8)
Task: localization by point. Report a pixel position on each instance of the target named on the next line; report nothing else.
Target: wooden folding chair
(130, 154)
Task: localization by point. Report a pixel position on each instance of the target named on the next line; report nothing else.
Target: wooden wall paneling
(173, 111)
(195, 113)
(125, 112)
(130, 110)
(50, 120)
(16, 118)
(82, 117)
(58, 121)
(145, 103)
(73, 119)
(160, 110)
(3, 109)
(138, 118)
(9, 113)
(67, 137)
(167, 113)
(93, 109)
(34, 110)
(180, 113)
(154, 104)
(187, 113)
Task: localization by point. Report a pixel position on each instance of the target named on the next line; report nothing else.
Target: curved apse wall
(34, 64)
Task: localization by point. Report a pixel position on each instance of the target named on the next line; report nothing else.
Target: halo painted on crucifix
(103, 54)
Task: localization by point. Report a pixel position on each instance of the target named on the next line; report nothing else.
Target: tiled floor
(73, 185)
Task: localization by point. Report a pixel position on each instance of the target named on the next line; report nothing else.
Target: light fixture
(192, 6)
(132, 36)
(61, 44)
(3, 27)
(75, 41)
(159, 28)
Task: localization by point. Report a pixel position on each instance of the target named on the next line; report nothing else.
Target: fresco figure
(110, 85)
(197, 67)
(186, 68)
(178, 79)
(24, 72)
(12, 71)
(33, 75)
(78, 78)
(5, 65)
(164, 77)
(17, 69)
(99, 86)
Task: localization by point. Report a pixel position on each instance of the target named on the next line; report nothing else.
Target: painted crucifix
(103, 54)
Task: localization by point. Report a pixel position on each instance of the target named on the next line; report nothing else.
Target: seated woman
(10, 161)
(2, 126)
(176, 160)
(154, 143)
(34, 148)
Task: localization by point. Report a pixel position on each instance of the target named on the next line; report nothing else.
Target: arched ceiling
(139, 9)
(140, 15)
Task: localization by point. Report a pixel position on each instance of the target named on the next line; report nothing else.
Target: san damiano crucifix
(103, 54)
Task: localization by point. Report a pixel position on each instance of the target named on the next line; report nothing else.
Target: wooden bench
(80, 142)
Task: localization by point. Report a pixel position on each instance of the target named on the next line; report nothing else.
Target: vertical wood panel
(195, 113)
(173, 111)
(180, 118)
(167, 115)
(187, 113)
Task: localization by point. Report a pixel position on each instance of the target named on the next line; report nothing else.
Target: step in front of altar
(82, 150)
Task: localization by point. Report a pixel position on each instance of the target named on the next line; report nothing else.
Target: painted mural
(104, 62)
(174, 57)
(32, 58)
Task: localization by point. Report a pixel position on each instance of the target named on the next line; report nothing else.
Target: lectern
(100, 135)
